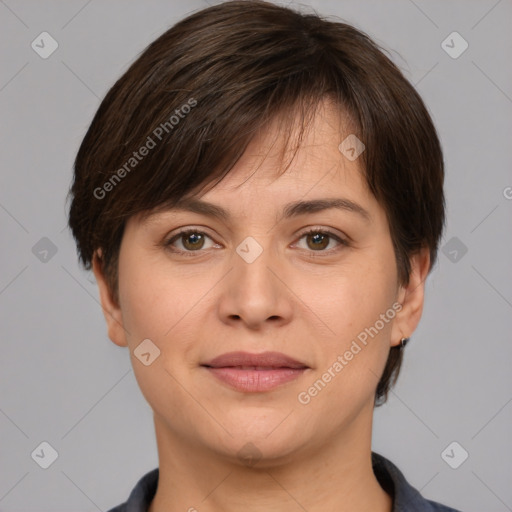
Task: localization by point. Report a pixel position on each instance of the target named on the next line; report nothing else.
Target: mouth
(253, 373)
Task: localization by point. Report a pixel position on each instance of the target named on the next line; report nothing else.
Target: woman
(260, 197)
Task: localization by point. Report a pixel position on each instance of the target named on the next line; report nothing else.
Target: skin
(291, 299)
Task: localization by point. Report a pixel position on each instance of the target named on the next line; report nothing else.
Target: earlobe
(111, 309)
(411, 297)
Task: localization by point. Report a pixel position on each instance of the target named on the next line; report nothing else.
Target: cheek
(165, 306)
(150, 301)
(357, 305)
(352, 297)
(158, 307)
(141, 304)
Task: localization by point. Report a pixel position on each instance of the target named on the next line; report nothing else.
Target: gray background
(62, 380)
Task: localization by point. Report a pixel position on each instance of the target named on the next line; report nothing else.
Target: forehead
(282, 164)
(312, 140)
(279, 171)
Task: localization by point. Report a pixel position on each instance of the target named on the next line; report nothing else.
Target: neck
(336, 476)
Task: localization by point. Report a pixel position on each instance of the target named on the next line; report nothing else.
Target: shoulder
(434, 506)
(119, 508)
(405, 497)
(142, 494)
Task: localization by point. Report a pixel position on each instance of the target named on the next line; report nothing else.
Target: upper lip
(265, 359)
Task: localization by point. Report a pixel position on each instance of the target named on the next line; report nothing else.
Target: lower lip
(256, 380)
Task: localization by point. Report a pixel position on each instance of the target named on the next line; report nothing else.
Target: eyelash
(343, 243)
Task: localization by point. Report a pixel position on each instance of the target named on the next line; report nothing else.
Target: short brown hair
(236, 66)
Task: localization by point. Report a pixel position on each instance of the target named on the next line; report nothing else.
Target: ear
(111, 308)
(411, 297)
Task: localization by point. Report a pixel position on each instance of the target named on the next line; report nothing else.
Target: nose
(255, 291)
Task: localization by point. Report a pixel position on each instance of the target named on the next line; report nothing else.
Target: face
(319, 286)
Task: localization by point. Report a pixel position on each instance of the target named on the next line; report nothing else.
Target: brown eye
(317, 240)
(191, 240)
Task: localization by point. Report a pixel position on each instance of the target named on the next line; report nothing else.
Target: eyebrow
(290, 210)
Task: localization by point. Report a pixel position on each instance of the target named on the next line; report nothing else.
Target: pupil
(319, 239)
(194, 237)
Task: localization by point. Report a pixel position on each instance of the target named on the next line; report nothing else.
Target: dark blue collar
(405, 497)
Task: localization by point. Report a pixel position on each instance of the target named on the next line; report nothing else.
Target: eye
(191, 240)
(318, 239)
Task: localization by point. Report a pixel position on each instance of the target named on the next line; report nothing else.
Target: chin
(259, 445)
(260, 454)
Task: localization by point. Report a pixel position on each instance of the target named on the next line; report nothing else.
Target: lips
(255, 373)
(263, 361)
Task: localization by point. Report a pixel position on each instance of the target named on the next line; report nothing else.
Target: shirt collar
(405, 497)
